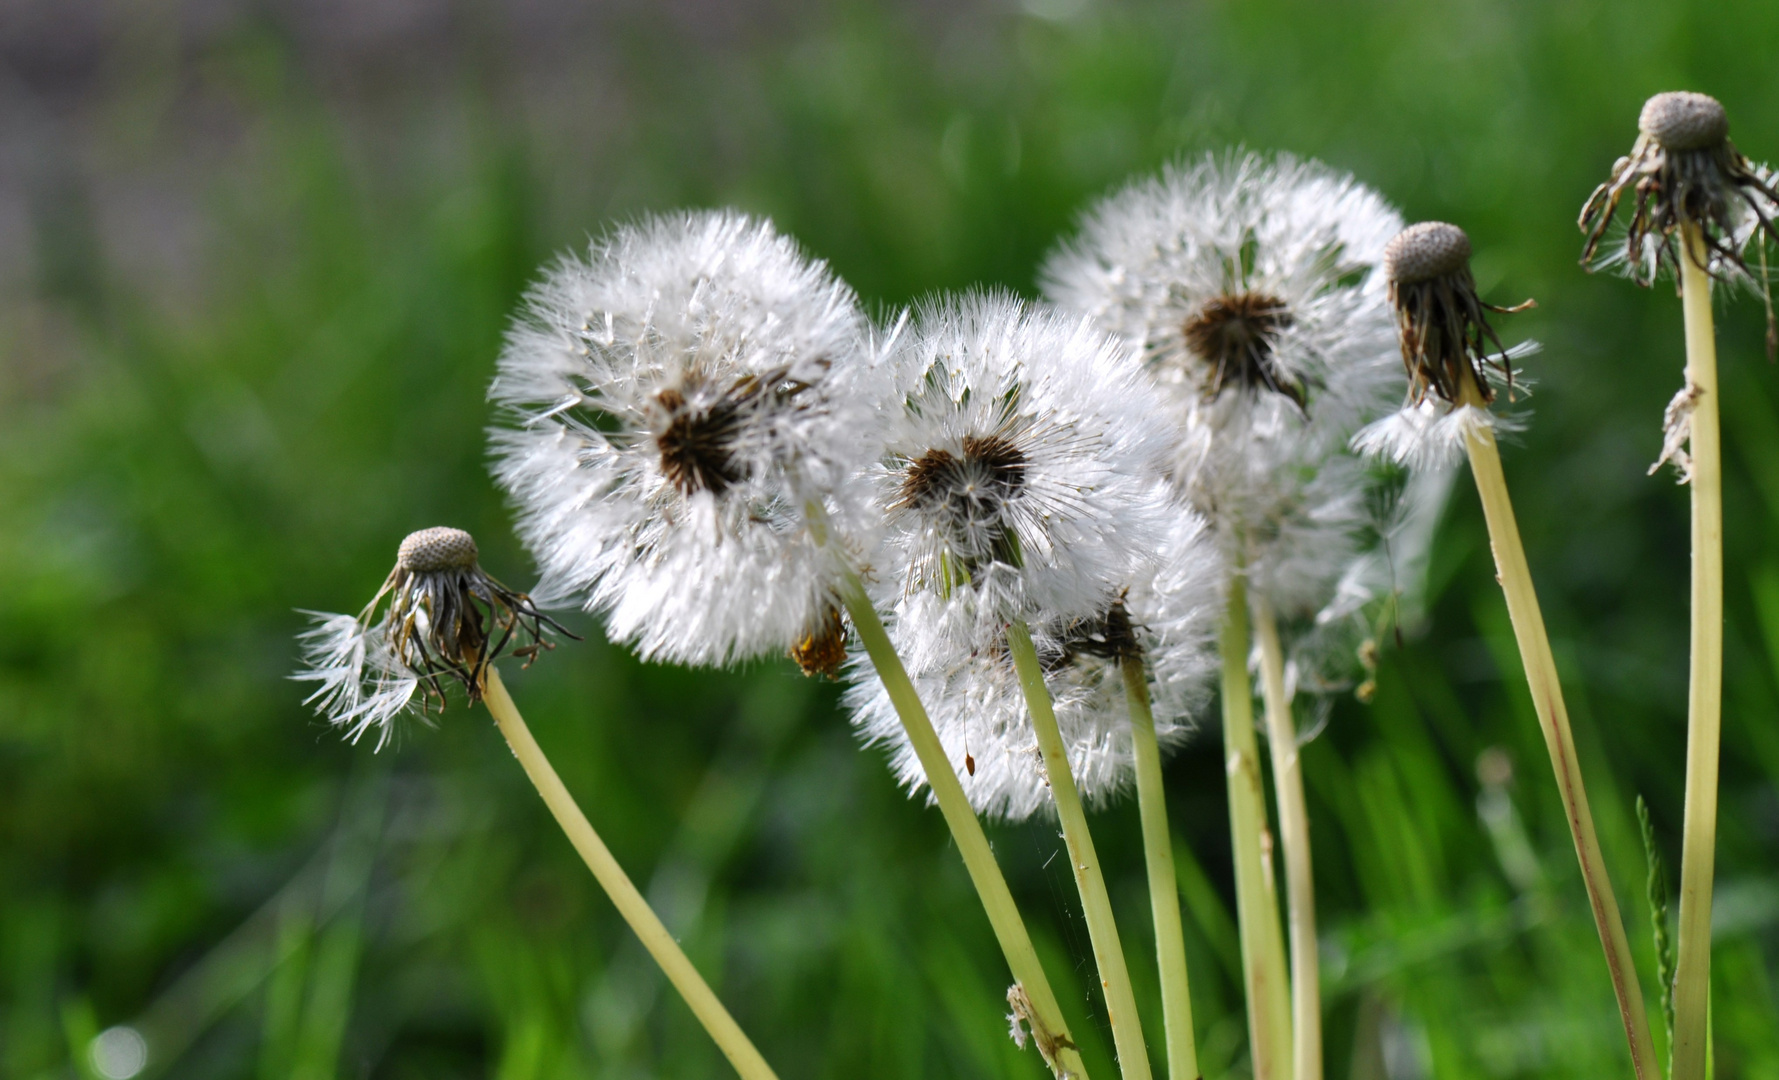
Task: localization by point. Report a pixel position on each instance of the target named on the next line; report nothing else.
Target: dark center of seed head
(431, 551)
(1236, 334)
(697, 444)
(1683, 120)
(991, 467)
(1431, 249)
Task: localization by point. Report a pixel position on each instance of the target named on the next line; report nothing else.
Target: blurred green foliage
(185, 850)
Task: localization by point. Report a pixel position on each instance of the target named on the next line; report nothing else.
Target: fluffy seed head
(690, 420)
(438, 548)
(1252, 290)
(1425, 251)
(1684, 120)
(1165, 620)
(1018, 476)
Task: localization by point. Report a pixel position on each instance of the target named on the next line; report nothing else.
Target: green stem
(1692, 974)
(1048, 1029)
(1164, 891)
(710, 1012)
(1515, 576)
(1294, 839)
(1096, 905)
(1257, 912)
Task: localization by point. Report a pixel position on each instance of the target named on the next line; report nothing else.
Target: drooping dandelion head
(1019, 469)
(690, 419)
(1164, 620)
(1682, 172)
(438, 619)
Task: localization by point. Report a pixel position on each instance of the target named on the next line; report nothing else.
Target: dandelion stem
(1054, 1043)
(1096, 905)
(1692, 975)
(630, 903)
(1164, 889)
(1257, 912)
(1553, 717)
(1294, 838)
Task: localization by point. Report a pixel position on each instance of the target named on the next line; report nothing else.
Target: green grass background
(202, 432)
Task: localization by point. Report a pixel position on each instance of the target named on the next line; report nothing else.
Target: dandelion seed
(689, 405)
(445, 621)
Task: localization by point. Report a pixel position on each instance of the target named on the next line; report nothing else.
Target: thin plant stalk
(704, 1004)
(1553, 717)
(1096, 904)
(1294, 838)
(1054, 1043)
(1257, 912)
(1692, 973)
(1164, 890)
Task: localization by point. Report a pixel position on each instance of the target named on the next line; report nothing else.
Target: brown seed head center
(991, 468)
(697, 444)
(1236, 335)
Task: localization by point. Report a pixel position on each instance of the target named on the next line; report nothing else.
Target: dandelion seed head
(1166, 617)
(440, 548)
(1019, 468)
(691, 416)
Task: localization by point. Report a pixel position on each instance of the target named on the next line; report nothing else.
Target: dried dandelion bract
(682, 399)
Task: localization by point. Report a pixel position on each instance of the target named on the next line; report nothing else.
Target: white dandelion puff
(446, 620)
(1250, 288)
(1018, 472)
(687, 401)
(1167, 616)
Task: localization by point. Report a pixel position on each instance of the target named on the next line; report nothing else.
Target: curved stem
(1257, 911)
(1294, 837)
(1164, 890)
(1096, 905)
(1048, 1029)
(1553, 717)
(630, 903)
(1704, 728)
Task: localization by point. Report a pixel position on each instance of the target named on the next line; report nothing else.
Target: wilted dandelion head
(690, 411)
(1683, 170)
(1018, 472)
(1165, 620)
(438, 618)
(1455, 360)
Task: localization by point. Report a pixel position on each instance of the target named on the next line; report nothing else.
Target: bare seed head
(437, 549)
(1426, 251)
(1684, 120)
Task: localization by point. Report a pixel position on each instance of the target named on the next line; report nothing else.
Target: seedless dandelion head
(438, 618)
(1165, 620)
(1683, 170)
(690, 419)
(1018, 474)
(1448, 348)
